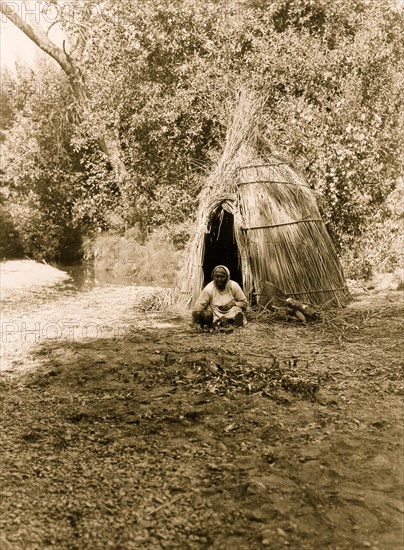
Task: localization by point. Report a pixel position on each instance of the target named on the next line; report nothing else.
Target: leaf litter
(168, 438)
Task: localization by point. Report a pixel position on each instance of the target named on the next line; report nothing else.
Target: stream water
(26, 284)
(41, 303)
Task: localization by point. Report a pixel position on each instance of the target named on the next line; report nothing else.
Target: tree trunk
(108, 144)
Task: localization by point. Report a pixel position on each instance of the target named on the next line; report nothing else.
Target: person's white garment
(213, 298)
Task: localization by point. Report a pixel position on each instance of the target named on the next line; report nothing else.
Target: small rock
(255, 488)
(257, 515)
(132, 419)
(266, 537)
(230, 427)
(378, 424)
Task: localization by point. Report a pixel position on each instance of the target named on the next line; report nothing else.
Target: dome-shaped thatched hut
(260, 218)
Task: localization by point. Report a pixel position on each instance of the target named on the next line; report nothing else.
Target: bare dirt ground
(124, 429)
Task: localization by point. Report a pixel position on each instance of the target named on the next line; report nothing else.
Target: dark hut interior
(221, 246)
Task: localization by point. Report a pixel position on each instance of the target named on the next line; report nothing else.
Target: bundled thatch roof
(280, 235)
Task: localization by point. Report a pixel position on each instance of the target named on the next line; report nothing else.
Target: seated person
(221, 301)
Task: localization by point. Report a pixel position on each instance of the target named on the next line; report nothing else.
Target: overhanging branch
(36, 34)
(109, 145)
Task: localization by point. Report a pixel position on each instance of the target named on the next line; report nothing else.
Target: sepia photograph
(201, 274)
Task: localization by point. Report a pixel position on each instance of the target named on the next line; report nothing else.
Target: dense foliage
(160, 78)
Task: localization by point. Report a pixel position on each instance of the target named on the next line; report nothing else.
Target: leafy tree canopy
(159, 77)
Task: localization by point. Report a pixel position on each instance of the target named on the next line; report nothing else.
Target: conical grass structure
(277, 225)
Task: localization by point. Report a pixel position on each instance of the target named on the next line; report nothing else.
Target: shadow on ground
(272, 436)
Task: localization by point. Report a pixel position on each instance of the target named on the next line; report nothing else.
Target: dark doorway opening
(221, 247)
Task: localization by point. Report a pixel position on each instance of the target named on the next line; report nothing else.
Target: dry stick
(164, 505)
(263, 311)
